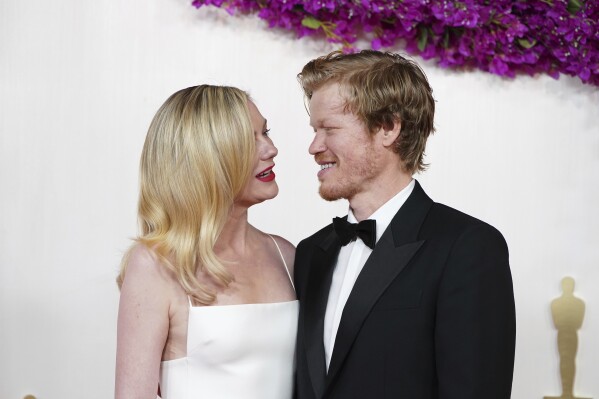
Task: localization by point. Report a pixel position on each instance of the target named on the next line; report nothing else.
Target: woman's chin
(258, 199)
(268, 196)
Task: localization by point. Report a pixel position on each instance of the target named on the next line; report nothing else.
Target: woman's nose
(269, 151)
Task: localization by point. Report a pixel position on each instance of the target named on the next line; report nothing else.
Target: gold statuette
(567, 312)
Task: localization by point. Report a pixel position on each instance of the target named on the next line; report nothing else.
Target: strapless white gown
(235, 352)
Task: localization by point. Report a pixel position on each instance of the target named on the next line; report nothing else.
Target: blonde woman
(207, 305)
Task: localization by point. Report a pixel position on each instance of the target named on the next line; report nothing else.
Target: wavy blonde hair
(197, 157)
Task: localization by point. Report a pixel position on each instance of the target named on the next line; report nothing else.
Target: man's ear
(389, 136)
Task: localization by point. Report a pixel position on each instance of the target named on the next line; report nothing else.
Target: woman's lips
(266, 175)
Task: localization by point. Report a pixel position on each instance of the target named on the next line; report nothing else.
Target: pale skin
(153, 307)
(363, 168)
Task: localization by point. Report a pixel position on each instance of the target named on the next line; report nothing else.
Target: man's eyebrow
(327, 120)
(316, 124)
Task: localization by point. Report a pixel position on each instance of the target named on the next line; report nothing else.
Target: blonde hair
(196, 159)
(381, 89)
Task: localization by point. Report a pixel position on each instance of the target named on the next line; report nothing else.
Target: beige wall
(79, 83)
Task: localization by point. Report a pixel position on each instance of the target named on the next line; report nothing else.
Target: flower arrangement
(504, 37)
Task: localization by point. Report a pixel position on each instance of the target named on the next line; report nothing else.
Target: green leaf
(446, 39)
(422, 38)
(574, 6)
(311, 22)
(527, 43)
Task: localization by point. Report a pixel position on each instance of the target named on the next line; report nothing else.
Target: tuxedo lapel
(392, 253)
(319, 282)
(383, 265)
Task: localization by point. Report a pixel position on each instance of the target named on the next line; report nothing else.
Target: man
(429, 312)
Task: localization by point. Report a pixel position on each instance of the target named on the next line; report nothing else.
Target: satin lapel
(392, 253)
(319, 283)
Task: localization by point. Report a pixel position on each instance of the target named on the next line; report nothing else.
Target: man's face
(342, 146)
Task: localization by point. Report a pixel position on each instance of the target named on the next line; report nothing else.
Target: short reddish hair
(381, 88)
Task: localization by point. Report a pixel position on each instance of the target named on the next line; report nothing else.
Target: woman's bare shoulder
(287, 249)
(146, 267)
(284, 244)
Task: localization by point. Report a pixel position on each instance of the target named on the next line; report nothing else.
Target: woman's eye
(266, 132)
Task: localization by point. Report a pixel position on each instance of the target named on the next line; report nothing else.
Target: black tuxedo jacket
(431, 315)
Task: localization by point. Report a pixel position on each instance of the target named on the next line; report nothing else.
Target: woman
(207, 305)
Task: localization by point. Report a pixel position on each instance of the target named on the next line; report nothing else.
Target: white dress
(235, 352)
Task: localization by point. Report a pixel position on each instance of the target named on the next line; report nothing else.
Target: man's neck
(365, 203)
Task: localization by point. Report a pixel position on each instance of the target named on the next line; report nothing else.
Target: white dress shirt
(350, 262)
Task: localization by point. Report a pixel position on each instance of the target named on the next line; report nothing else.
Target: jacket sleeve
(475, 321)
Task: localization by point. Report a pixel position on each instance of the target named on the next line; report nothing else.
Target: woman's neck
(235, 233)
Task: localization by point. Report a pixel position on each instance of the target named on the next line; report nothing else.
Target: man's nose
(317, 146)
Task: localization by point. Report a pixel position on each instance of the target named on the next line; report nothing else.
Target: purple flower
(504, 37)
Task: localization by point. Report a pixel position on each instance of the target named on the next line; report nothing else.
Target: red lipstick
(266, 175)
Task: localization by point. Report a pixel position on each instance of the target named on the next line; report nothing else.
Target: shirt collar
(385, 213)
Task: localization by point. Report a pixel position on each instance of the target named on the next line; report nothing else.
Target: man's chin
(329, 195)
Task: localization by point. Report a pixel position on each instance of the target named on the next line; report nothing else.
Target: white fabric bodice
(235, 352)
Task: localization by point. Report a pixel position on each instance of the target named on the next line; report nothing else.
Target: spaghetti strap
(283, 259)
(189, 300)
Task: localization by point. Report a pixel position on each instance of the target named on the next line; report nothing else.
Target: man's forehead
(326, 105)
(327, 109)
(333, 90)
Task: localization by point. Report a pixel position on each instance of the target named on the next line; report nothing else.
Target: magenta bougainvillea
(504, 37)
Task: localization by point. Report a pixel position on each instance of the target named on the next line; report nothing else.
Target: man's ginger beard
(350, 175)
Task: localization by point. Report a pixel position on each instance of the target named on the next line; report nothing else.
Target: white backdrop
(79, 83)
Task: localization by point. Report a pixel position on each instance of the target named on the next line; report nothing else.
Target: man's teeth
(327, 165)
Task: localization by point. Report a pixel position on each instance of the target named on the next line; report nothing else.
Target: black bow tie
(348, 232)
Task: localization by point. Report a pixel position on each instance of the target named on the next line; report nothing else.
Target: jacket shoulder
(443, 219)
(317, 237)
